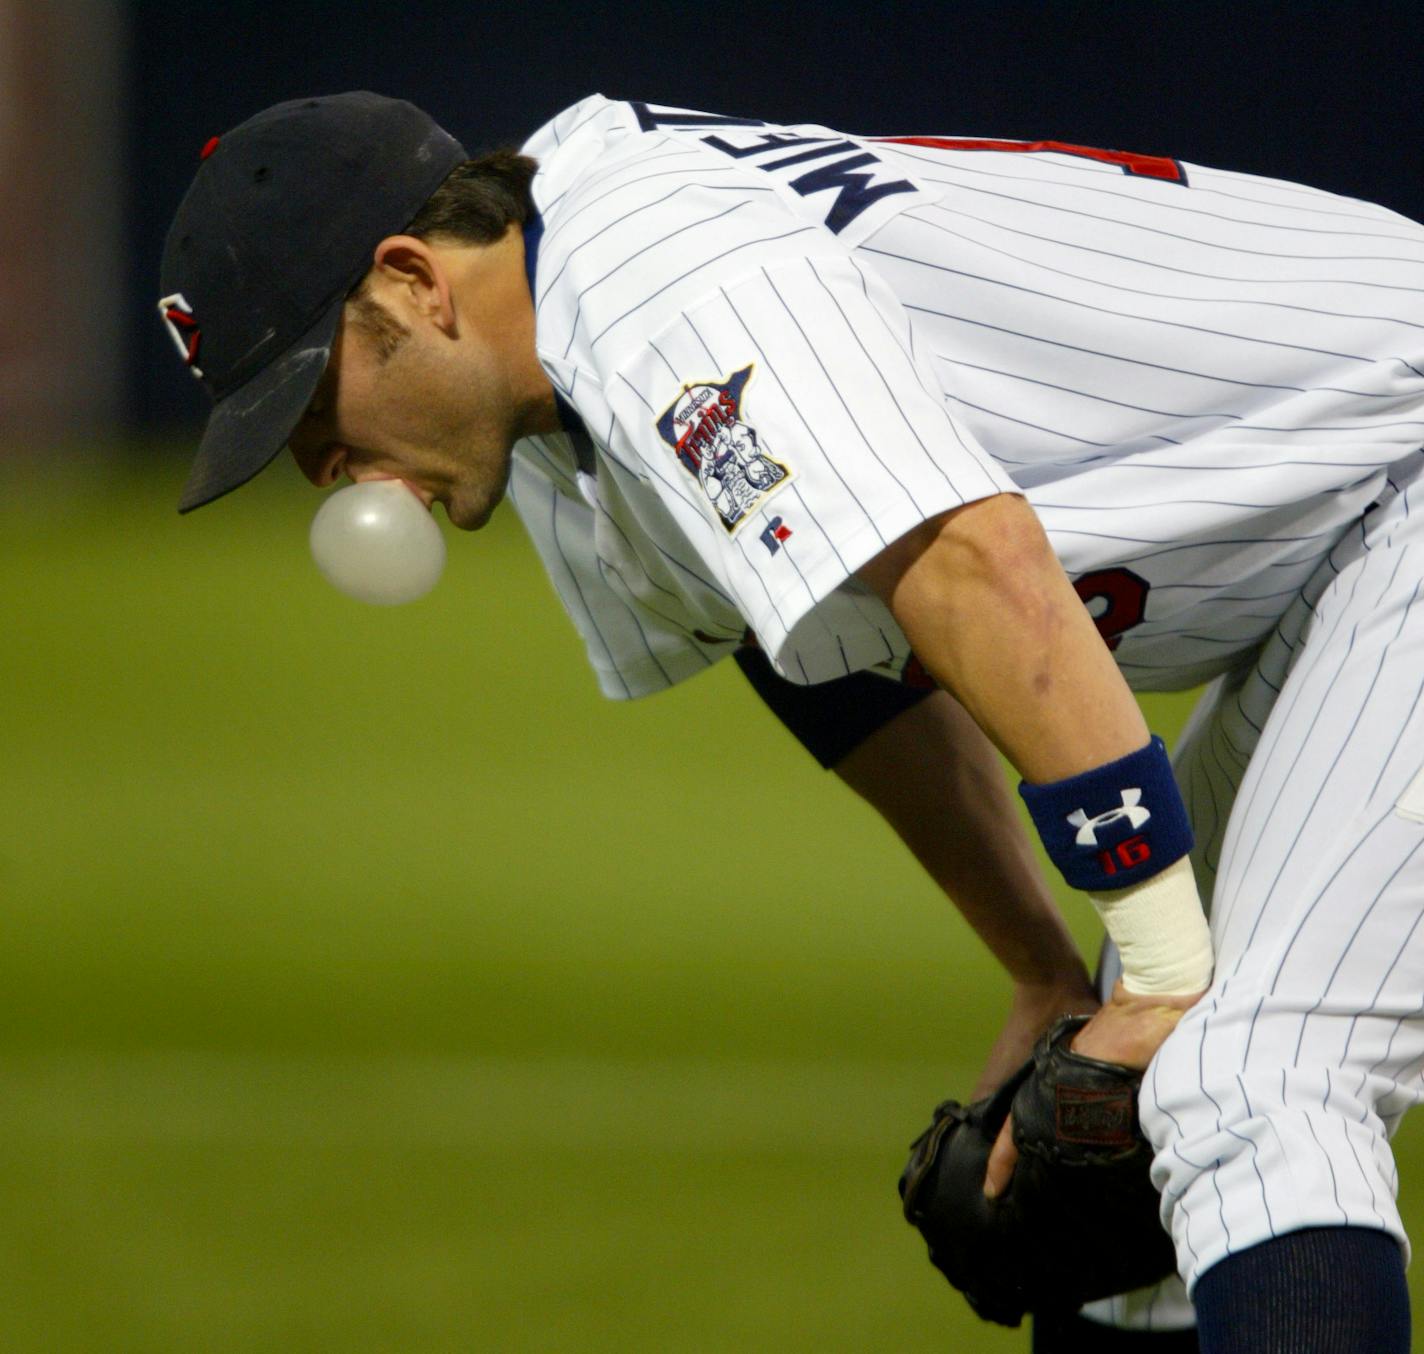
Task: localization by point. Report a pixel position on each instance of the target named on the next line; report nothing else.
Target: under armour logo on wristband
(1124, 844)
(1131, 810)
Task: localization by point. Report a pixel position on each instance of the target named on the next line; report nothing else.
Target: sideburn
(385, 331)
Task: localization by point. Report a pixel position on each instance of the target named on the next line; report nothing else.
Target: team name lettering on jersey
(858, 178)
(720, 449)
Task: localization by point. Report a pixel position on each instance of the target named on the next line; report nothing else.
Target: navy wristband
(1116, 825)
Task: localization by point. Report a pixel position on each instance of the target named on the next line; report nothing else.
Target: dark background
(1327, 94)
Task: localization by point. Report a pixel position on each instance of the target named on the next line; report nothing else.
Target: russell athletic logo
(1131, 810)
(775, 534)
(721, 450)
(182, 329)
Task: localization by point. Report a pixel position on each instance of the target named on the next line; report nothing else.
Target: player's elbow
(994, 546)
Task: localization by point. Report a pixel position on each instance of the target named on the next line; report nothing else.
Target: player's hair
(479, 200)
(476, 204)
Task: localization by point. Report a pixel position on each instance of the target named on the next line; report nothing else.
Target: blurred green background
(367, 982)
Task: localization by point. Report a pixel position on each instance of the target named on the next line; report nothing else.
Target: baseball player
(952, 442)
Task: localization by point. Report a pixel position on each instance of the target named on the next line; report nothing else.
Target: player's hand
(1131, 1028)
(1034, 1007)
(1128, 1030)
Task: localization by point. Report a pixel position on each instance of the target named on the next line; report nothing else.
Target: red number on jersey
(1148, 166)
(1123, 598)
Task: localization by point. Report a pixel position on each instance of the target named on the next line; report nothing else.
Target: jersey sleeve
(795, 431)
(633, 648)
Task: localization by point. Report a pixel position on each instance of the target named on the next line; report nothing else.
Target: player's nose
(323, 466)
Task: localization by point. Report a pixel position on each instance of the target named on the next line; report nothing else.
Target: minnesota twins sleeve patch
(716, 445)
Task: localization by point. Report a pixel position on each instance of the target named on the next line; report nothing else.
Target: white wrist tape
(1160, 931)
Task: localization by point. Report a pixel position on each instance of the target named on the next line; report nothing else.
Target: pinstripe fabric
(1201, 383)
(1216, 383)
(1272, 1105)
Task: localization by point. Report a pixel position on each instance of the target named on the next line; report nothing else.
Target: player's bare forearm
(988, 610)
(935, 778)
(990, 613)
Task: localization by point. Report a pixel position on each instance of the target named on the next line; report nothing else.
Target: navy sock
(1073, 1334)
(1325, 1290)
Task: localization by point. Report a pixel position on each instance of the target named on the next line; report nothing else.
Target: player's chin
(469, 512)
(470, 505)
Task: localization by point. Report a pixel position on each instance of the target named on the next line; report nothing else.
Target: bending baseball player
(1030, 424)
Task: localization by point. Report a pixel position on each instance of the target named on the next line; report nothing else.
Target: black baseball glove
(1079, 1219)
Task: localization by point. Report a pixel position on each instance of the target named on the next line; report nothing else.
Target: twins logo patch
(720, 449)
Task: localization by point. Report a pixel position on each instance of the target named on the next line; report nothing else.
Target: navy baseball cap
(280, 223)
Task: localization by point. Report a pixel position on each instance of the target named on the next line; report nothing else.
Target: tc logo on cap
(178, 318)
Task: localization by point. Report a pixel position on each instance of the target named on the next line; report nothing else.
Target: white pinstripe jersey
(781, 347)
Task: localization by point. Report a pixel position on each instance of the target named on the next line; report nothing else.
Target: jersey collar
(568, 416)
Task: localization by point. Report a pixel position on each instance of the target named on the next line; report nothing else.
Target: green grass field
(368, 983)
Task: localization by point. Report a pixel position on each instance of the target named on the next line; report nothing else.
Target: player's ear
(412, 275)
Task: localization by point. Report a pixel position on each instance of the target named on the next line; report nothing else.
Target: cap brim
(249, 426)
